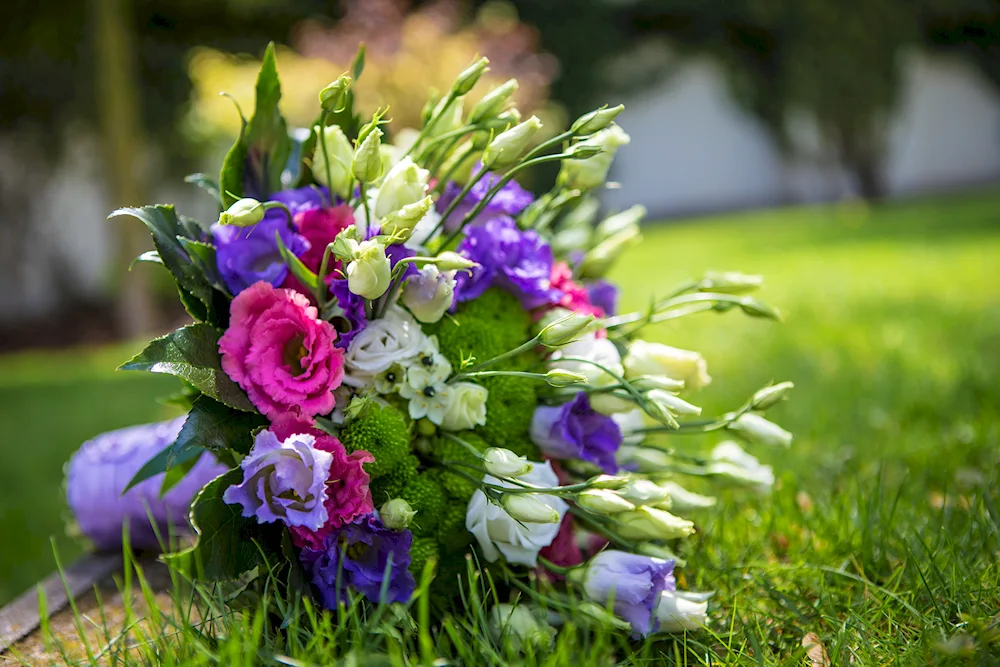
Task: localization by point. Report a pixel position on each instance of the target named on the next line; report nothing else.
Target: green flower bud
(646, 382)
(367, 162)
(599, 259)
(567, 329)
(528, 508)
(641, 491)
(768, 397)
(601, 501)
(468, 78)
(674, 404)
(368, 275)
(619, 222)
(243, 213)
(406, 183)
(396, 514)
(492, 102)
(649, 523)
(332, 97)
(608, 481)
(730, 282)
(505, 463)
(592, 172)
(507, 147)
(596, 120)
(333, 144)
(347, 244)
(558, 377)
(683, 499)
(452, 261)
(502, 121)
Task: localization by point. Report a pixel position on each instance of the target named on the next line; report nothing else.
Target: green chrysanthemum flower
(383, 432)
(456, 485)
(422, 549)
(509, 408)
(484, 328)
(425, 495)
(452, 533)
(391, 484)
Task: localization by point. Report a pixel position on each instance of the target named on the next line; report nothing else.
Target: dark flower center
(293, 354)
(352, 550)
(430, 392)
(390, 377)
(427, 360)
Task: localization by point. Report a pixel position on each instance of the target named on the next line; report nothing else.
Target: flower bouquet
(401, 357)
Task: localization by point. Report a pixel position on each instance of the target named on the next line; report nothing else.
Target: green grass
(883, 534)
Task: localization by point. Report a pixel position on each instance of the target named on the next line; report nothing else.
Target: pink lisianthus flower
(280, 353)
(347, 494)
(319, 227)
(564, 550)
(574, 296)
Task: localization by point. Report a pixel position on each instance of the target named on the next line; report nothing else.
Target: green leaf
(358, 66)
(148, 257)
(176, 473)
(295, 265)
(227, 544)
(211, 426)
(231, 176)
(203, 256)
(206, 183)
(192, 353)
(268, 143)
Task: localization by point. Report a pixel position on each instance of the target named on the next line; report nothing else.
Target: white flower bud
(465, 406)
(449, 118)
(567, 329)
(406, 183)
(526, 507)
(505, 463)
(599, 259)
(602, 501)
(507, 147)
(645, 358)
(683, 499)
(733, 463)
(768, 397)
(243, 213)
(367, 163)
(400, 224)
(429, 294)
(452, 261)
(592, 172)
(641, 491)
(674, 404)
(662, 382)
(340, 153)
(760, 431)
(331, 98)
(492, 102)
(619, 222)
(369, 273)
(608, 482)
(679, 610)
(649, 523)
(596, 120)
(396, 514)
(558, 377)
(730, 282)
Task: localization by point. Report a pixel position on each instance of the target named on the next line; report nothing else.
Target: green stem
(430, 123)
(518, 374)
(443, 181)
(456, 201)
(326, 153)
(523, 347)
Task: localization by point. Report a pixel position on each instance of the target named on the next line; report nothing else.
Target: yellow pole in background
(121, 118)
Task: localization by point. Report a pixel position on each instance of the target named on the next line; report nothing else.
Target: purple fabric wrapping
(103, 466)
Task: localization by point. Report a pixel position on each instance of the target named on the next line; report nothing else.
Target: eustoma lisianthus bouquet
(401, 356)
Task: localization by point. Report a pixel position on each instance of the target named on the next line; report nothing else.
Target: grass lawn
(883, 534)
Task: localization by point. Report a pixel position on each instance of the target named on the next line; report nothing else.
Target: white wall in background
(694, 150)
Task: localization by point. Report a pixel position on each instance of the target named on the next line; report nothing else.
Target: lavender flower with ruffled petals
(356, 556)
(98, 473)
(515, 260)
(509, 201)
(635, 583)
(604, 295)
(353, 307)
(283, 481)
(575, 430)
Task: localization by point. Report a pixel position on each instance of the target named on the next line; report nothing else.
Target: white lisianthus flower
(405, 184)
(499, 533)
(592, 349)
(393, 339)
(681, 610)
(465, 406)
(645, 358)
(732, 462)
(368, 275)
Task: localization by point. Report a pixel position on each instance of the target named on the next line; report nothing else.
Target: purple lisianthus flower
(283, 481)
(356, 556)
(509, 201)
(604, 295)
(353, 307)
(574, 430)
(635, 583)
(518, 261)
(246, 255)
(98, 473)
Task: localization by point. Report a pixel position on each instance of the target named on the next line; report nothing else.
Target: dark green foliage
(457, 486)
(382, 431)
(509, 408)
(422, 549)
(452, 534)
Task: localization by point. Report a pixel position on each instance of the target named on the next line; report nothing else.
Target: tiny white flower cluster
(395, 356)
